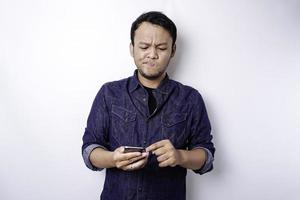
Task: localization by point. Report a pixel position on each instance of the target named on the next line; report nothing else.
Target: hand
(166, 154)
(129, 161)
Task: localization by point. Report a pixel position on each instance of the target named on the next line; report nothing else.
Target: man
(152, 111)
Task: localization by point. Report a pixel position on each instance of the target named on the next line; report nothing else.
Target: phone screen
(133, 149)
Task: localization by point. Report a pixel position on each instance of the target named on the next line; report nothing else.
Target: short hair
(157, 18)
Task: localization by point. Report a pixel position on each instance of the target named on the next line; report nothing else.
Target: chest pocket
(174, 128)
(123, 123)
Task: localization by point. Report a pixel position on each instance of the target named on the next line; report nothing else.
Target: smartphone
(134, 149)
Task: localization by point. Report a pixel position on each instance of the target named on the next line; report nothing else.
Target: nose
(152, 53)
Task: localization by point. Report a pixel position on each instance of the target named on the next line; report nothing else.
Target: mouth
(150, 64)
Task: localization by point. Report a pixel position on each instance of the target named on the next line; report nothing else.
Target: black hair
(157, 18)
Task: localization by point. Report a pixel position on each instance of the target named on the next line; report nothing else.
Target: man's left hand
(166, 154)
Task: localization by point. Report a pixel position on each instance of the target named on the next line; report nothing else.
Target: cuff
(86, 156)
(208, 165)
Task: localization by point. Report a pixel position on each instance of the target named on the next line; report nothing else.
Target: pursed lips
(149, 63)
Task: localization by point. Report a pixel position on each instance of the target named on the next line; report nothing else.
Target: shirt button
(140, 189)
(144, 142)
(144, 99)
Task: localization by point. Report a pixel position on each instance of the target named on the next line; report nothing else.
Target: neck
(150, 83)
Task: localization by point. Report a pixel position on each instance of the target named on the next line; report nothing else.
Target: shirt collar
(164, 87)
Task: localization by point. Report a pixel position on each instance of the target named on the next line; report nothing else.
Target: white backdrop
(243, 56)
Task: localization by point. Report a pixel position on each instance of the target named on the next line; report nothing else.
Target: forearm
(193, 159)
(102, 158)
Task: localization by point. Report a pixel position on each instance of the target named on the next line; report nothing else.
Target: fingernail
(145, 153)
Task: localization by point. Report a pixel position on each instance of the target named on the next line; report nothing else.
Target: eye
(162, 49)
(143, 47)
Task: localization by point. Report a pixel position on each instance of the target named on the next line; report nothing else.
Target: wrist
(181, 157)
(113, 162)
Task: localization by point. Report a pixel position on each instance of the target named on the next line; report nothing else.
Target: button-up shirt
(120, 117)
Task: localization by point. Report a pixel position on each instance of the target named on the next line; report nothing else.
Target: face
(152, 50)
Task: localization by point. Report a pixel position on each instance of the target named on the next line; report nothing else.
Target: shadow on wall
(196, 182)
(176, 61)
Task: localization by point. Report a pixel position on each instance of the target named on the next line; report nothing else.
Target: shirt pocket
(123, 123)
(174, 128)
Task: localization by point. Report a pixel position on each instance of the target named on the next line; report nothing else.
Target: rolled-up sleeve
(95, 135)
(86, 156)
(201, 136)
(208, 165)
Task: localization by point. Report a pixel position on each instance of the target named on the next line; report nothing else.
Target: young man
(152, 111)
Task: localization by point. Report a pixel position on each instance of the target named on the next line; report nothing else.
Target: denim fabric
(120, 116)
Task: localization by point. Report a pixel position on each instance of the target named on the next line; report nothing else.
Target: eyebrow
(160, 44)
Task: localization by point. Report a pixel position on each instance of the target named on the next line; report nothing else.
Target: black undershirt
(151, 101)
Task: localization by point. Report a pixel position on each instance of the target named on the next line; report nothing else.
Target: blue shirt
(120, 116)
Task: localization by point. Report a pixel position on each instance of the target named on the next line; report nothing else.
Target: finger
(127, 167)
(123, 163)
(134, 166)
(156, 145)
(141, 163)
(128, 156)
(162, 158)
(146, 154)
(135, 159)
(120, 149)
(166, 163)
(132, 160)
(160, 151)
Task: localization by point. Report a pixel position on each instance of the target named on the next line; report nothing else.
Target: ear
(131, 49)
(173, 50)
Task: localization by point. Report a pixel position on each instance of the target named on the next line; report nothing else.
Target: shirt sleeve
(86, 156)
(95, 135)
(201, 136)
(208, 165)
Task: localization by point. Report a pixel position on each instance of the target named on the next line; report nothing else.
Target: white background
(243, 57)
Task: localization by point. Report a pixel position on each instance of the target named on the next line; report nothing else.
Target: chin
(151, 76)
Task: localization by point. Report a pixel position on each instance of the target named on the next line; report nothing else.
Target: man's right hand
(129, 161)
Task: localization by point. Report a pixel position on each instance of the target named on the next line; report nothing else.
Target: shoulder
(112, 89)
(188, 92)
(114, 86)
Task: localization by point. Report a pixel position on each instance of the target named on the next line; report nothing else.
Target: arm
(167, 155)
(95, 142)
(102, 158)
(193, 159)
(200, 136)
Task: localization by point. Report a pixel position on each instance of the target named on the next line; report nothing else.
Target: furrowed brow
(164, 44)
(144, 43)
